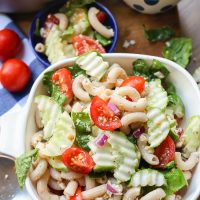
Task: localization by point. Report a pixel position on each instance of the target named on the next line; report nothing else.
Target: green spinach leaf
(159, 34)
(178, 50)
(102, 40)
(76, 71)
(23, 164)
(155, 70)
(83, 128)
(57, 95)
(176, 104)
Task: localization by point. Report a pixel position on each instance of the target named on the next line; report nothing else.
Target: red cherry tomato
(101, 16)
(84, 44)
(63, 79)
(14, 75)
(77, 195)
(102, 116)
(165, 152)
(78, 160)
(136, 82)
(10, 44)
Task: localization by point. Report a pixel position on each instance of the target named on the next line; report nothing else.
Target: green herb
(68, 32)
(160, 34)
(76, 71)
(170, 165)
(102, 40)
(57, 95)
(175, 181)
(23, 164)
(178, 50)
(37, 27)
(83, 128)
(155, 70)
(176, 104)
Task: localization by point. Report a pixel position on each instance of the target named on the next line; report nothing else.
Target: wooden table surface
(184, 20)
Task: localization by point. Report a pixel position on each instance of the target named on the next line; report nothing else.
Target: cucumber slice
(63, 136)
(55, 49)
(192, 135)
(126, 154)
(102, 157)
(93, 64)
(158, 126)
(49, 111)
(57, 164)
(157, 97)
(147, 177)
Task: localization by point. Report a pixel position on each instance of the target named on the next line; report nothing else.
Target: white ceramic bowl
(151, 6)
(17, 130)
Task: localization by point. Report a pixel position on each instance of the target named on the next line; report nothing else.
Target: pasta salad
(78, 27)
(103, 134)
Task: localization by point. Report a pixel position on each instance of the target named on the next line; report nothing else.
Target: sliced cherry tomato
(50, 21)
(63, 79)
(84, 44)
(102, 116)
(14, 75)
(10, 44)
(136, 82)
(78, 160)
(101, 16)
(77, 195)
(165, 152)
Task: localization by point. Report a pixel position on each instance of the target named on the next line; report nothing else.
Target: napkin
(14, 101)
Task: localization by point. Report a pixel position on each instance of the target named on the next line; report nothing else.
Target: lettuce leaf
(159, 34)
(178, 50)
(23, 164)
(102, 40)
(155, 70)
(175, 181)
(83, 129)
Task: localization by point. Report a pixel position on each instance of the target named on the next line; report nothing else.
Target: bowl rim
(171, 64)
(46, 9)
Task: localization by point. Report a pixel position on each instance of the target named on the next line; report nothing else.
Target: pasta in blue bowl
(66, 29)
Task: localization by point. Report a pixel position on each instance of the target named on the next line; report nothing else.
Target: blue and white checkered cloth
(12, 101)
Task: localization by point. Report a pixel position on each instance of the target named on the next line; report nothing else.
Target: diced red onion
(111, 189)
(114, 108)
(139, 131)
(101, 140)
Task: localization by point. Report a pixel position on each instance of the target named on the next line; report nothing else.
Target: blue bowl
(53, 8)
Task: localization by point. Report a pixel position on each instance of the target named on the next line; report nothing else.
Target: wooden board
(130, 26)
